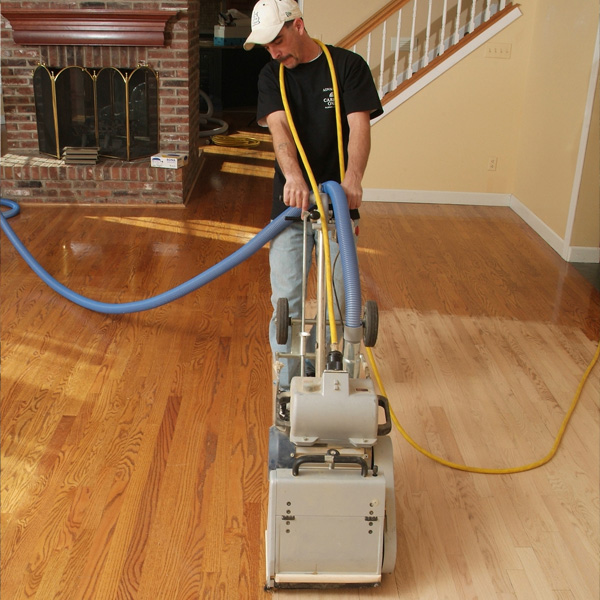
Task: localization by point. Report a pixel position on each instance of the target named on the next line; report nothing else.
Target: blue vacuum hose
(345, 240)
(343, 225)
(256, 243)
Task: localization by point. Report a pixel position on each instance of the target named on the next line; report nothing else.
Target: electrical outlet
(498, 50)
(492, 163)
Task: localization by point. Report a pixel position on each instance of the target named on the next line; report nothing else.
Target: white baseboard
(548, 235)
(569, 254)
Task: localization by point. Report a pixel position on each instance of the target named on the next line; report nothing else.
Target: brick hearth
(39, 179)
(26, 175)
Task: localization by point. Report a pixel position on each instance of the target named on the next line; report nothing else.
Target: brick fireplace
(163, 34)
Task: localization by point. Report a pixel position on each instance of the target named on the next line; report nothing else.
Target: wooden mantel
(88, 27)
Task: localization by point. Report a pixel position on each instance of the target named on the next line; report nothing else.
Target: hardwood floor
(134, 447)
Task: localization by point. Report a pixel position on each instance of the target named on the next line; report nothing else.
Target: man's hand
(296, 193)
(353, 190)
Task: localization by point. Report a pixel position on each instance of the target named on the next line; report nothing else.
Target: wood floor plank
(134, 447)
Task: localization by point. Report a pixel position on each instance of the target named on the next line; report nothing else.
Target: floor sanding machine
(331, 514)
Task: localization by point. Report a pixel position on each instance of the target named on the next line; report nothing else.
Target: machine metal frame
(331, 516)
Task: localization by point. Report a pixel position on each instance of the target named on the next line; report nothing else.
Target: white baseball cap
(268, 17)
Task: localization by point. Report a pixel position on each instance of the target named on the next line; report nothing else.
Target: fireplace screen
(113, 109)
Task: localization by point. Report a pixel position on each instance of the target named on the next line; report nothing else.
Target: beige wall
(527, 111)
(442, 138)
(556, 87)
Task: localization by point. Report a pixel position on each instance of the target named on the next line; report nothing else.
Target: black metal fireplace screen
(111, 108)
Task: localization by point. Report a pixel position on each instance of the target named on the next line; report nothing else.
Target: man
(278, 26)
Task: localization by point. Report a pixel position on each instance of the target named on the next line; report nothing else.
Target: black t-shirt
(309, 91)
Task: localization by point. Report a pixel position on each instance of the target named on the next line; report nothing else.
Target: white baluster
(412, 41)
(502, 4)
(427, 35)
(472, 18)
(443, 31)
(457, 27)
(369, 49)
(397, 51)
(383, 40)
(487, 13)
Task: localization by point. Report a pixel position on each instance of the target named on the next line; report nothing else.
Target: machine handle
(384, 428)
(335, 459)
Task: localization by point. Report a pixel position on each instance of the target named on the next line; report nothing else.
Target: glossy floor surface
(134, 447)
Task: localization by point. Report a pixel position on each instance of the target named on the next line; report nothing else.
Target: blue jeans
(285, 258)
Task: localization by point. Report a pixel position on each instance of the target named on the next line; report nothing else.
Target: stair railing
(423, 30)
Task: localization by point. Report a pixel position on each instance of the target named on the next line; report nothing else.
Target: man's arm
(295, 191)
(359, 147)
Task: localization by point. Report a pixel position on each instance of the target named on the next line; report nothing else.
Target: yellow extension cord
(530, 466)
(313, 182)
(370, 356)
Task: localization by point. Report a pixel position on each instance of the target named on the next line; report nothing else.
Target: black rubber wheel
(370, 323)
(282, 317)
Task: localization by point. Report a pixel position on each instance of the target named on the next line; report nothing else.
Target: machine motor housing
(333, 409)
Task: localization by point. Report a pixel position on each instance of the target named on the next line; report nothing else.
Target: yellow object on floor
(235, 141)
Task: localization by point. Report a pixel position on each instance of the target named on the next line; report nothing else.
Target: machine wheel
(282, 317)
(370, 323)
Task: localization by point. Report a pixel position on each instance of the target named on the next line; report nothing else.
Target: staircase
(409, 43)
